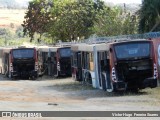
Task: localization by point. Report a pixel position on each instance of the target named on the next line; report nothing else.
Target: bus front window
(23, 53)
(132, 50)
(65, 52)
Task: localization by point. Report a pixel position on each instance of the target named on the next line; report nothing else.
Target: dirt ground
(64, 94)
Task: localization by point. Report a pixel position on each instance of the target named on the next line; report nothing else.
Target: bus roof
(89, 47)
(53, 49)
(130, 41)
(6, 50)
(102, 47)
(43, 48)
(82, 47)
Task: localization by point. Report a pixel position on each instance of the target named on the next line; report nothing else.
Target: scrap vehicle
(56, 60)
(115, 65)
(22, 63)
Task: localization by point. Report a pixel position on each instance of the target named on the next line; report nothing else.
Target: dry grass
(72, 86)
(66, 84)
(154, 93)
(11, 16)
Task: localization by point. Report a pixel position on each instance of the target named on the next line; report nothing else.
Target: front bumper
(24, 74)
(149, 82)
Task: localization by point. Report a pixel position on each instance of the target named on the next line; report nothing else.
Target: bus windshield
(130, 50)
(23, 53)
(65, 52)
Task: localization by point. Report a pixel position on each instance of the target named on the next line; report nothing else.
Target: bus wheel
(88, 79)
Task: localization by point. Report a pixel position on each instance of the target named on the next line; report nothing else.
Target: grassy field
(11, 16)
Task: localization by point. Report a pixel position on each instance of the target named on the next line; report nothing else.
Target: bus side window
(75, 59)
(79, 60)
(105, 61)
(87, 61)
(55, 59)
(91, 65)
(83, 60)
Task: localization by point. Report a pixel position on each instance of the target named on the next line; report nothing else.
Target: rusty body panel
(156, 43)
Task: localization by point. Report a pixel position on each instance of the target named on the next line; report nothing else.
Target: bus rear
(133, 65)
(23, 63)
(156, 43)
(64, 61)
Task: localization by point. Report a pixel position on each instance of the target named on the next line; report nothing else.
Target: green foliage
(2, 42)
(72, 19)
(64, 20)
(19, 32)
(68, 20)
(149, 16)
(113, 21)
(8, 37)
(5, 33)
(37, 18)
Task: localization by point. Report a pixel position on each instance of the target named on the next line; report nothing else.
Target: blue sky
(124, 1)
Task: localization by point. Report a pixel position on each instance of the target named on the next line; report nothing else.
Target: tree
(36, 18)
(149, 16)
(114, 21)
(62, 19)
(19, 32)
(72, 19)
(76, 19)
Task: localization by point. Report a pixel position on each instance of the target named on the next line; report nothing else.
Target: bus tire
(88, 78)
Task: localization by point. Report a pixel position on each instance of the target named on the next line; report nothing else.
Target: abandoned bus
(4, 60)
(23, 63)
(88, 63)
(43, 59)
(1, 59)
(59, 59)
(116, 66)
(133, 65)
(156, 42)
(56, 60)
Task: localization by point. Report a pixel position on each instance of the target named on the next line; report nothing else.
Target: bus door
(99, 57)
(1, 62)
(40, 62)
(79, 67)
(85, 64)
(103, 68)
(55, 65)
(52, 63)
(44, 60)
